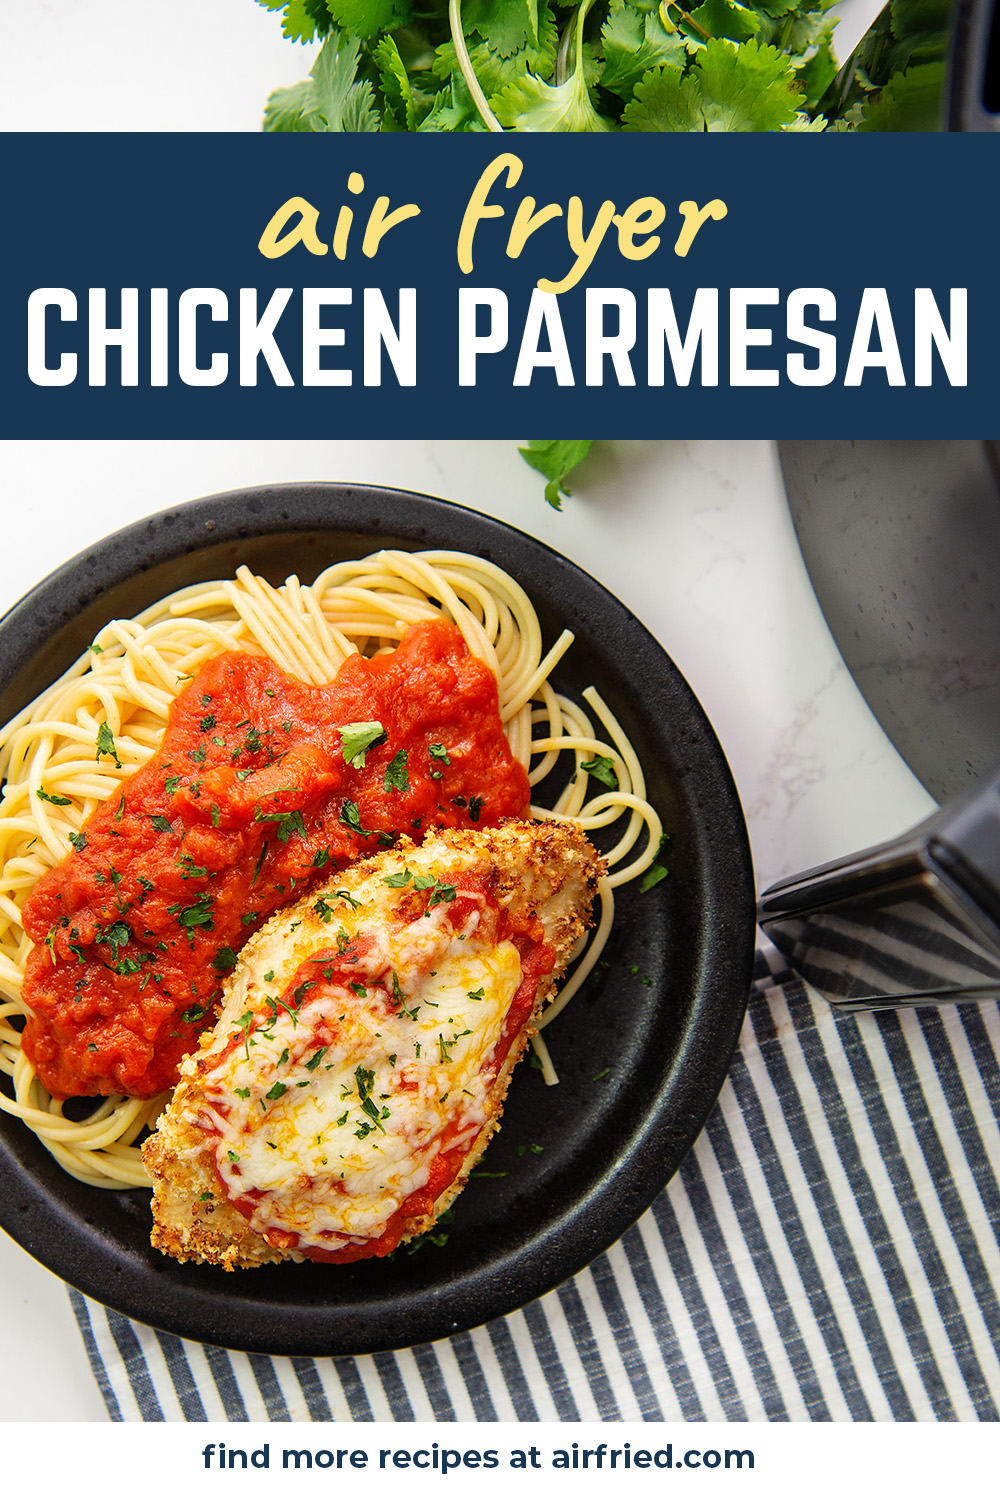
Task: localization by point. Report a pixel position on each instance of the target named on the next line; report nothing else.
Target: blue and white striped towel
(828, 1251)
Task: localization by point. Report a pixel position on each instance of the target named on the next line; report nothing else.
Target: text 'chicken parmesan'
(361, 1060)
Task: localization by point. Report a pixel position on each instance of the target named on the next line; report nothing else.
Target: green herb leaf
(634, 42)
(285, 824)
(657, 871)
(556, 459)
(224, 961)
(50, 797)
(106, 744)
(602, 768)
(198, 914)
(351, 818)
(357, 739)
(396, 778)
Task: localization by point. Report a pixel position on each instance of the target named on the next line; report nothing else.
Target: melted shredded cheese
(328, 1115)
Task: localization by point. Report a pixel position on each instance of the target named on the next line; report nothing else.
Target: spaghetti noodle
(131, 674)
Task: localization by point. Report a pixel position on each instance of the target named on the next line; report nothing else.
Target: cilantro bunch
(607, 65)
(534, 65)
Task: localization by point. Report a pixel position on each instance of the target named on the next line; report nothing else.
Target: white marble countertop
(694, 537)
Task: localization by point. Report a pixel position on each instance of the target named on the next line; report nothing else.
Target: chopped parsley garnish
(126, 966)
(351, 818)
(242, 1093)
(314, 1061)
(400, 878)
(207, 723)
(79, 841)
(275, 1092)
(215, 814)
(323, 909)
(395, 778)
(357, 739)
(359, 989)
(475, 994)
(269, 977)
(364, 1078)
(346, 896)
(189, 870)
(438, 752)
(197, 755)
(602, 768)
(198, 914)
(285, 824)
(475, 808)
(439, 891)
(657, 870)
(50, 797)
(224, 961)
(116, 936)
(320, 858)
(194, 1013)
(171, 784)
(260, 861)
(97, 650)
(106, 744)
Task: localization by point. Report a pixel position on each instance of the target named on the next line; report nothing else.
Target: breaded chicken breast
(365, 1046)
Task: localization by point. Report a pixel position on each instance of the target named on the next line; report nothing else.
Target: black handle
(915, 921)
(973, 101)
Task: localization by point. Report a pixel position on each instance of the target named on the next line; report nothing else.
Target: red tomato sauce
(248, 803)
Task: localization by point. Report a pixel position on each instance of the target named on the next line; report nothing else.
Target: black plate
(582, 1160)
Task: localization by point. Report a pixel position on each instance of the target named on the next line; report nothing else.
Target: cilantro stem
(689, 20)
(572, 33)
(565, 44)
(487, 116)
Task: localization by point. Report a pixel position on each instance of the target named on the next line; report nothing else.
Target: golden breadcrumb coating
(543, 873)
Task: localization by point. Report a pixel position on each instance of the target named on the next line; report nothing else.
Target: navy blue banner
(474, 286)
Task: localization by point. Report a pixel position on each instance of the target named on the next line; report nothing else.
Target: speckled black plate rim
(72, 1241)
